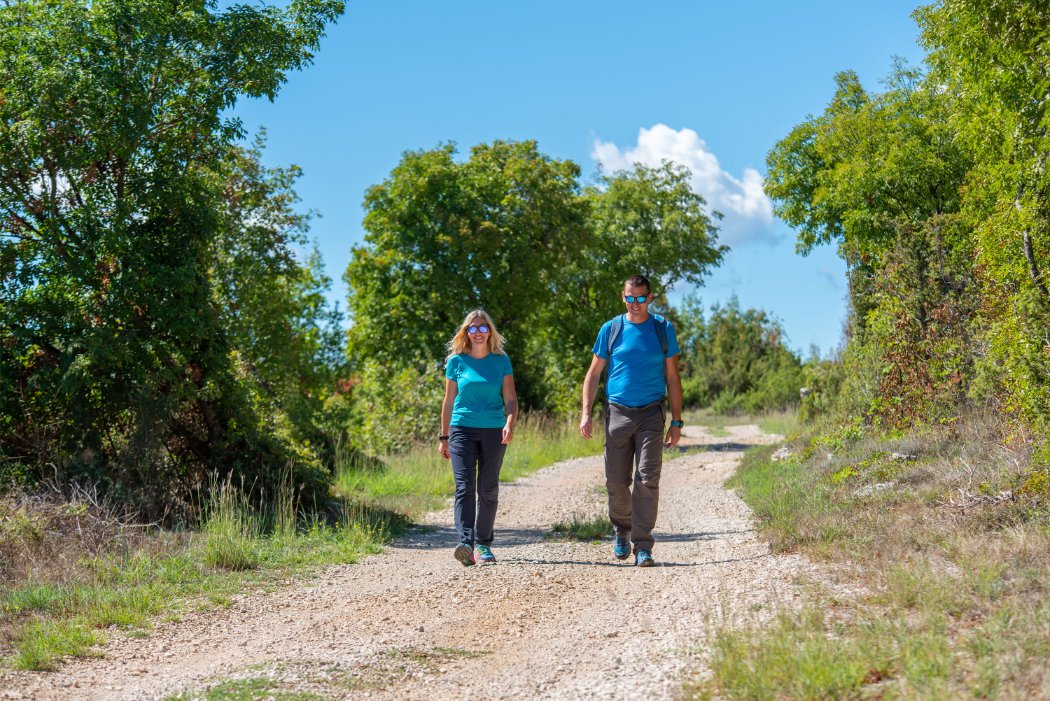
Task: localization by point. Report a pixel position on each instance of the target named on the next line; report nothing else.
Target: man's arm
(674, 398)
(590, 391)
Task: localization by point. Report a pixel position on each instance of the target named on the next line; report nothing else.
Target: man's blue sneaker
(465, 554)
(621, 547)
(483, 555)
(643, 558)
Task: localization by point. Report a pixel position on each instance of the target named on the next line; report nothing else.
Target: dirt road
(550, 620)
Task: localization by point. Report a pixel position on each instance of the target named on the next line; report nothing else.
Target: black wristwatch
(442, 438)
(677, 422)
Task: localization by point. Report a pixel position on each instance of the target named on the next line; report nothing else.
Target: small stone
(872, 488)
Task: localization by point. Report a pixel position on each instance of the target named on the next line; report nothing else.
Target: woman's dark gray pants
(634, 452)
(477, 455)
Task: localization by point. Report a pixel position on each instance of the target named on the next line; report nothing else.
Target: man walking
(641, 350)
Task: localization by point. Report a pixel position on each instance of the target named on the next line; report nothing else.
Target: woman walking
(477, 424)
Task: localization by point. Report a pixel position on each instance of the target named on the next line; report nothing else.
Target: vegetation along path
(556, 619)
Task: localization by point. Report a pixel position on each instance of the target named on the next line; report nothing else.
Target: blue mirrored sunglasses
(478, 329)
(636, 299)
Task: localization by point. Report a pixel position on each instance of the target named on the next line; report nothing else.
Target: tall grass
(231, 530)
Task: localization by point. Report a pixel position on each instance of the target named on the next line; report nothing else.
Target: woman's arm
(451, 389)
(510, 405)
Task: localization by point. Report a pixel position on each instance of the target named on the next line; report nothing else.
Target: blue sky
(713, 86)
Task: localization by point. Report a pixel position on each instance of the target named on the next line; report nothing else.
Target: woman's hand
(443, 449)
(508, 434)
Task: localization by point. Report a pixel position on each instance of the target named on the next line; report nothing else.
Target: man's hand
(585, 426)
(674, 434)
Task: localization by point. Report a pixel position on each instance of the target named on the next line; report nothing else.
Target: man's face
(637, 299)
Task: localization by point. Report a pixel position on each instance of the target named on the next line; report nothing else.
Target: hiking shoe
(464, 554)
(621, 547)
(483, 555)
(644, 558)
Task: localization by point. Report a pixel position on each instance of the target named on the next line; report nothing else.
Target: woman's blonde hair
(460, 342)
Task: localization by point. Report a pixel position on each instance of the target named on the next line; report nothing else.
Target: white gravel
(550, 620)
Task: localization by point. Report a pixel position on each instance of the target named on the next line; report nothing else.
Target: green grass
(783, 423)
(579, 528)
(44, 643)
(951, 601)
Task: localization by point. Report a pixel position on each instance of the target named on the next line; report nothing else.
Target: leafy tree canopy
(116, 360)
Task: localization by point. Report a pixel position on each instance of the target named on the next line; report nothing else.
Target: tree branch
(1026, 237)
(1033, 269)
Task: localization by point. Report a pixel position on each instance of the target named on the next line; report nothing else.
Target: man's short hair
(638, 281)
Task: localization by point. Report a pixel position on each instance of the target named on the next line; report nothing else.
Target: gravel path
(550, 620)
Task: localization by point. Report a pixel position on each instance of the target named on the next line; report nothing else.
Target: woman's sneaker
(464, 554)
(644, 558)
(621, 547)
(483, 555)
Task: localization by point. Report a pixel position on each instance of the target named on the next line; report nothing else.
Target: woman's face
(478, 330)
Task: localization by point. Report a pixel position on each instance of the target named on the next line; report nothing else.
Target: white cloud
(748, 212)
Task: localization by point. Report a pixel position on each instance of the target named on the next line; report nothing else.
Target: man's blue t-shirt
(479, 384)
(636, 370)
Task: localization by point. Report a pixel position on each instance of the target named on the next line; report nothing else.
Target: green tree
(993, 58)
(115, 360)
(287, 342)
(445, 236)
(880, 175)
(736, 360)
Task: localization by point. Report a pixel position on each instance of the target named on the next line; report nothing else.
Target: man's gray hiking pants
(634, 445)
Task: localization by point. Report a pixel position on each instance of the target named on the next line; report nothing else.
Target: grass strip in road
(947, 533)
(581, 528)
(247, 690)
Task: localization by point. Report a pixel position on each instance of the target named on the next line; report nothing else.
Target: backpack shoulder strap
(660, 324)
(614, 333)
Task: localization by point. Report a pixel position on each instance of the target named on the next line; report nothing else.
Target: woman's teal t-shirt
(479, 384)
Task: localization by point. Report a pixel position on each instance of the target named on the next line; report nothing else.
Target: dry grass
(50, 536)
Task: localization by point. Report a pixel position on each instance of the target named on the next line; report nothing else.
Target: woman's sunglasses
(484, 328)
(636, 299)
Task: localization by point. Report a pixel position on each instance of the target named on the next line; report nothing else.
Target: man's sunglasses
(484, 328)
(636, 299)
